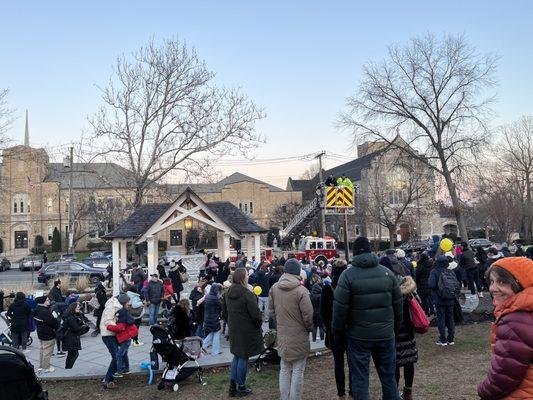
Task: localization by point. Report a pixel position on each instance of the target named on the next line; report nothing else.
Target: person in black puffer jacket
(101, 297)
(423, 270)
(47, 326)
(212, 312)
(406, 351)
(19, 314)
(467, 260)
(326, 312)
(180, 322)
(198, 309)
(316, 295)
(260, 278)
(75, 327)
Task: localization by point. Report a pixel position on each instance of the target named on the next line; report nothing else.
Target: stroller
(181, 357)
(269, 355)
(5, 330)
(17, 377)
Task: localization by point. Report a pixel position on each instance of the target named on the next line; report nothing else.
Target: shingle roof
(235, 218)
(218, 186)
(146, 215)
(91, 176)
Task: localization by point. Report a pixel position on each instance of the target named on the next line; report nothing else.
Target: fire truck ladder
(306, 215)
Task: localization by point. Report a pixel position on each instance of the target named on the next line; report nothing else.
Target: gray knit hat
(292, 266)
(123, 298)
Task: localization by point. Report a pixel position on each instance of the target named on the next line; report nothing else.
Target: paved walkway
(94, 358)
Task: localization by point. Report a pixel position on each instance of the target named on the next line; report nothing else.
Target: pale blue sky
(299, 60)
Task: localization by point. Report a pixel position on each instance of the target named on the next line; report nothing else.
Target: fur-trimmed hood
(407, 285)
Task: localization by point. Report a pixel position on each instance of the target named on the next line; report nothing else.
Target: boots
(407, 394)
(243, 391)
(232, 388)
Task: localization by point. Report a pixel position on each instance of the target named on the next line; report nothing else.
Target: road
(14, 278)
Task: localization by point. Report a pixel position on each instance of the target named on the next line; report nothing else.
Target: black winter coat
(273, 278)
(406, 351)
(260, 278)
(155, 292)
(182, 324)
(138, 276)
(316, 295)
(467, 259)
(422, 276)
(101, 296)
(175, 277)
(56, 293)
(212, 311)
(244, 322)
(75, 328)
(19, 313)
(45, 322)
(197, 310)
(326, 312)
(161, 271)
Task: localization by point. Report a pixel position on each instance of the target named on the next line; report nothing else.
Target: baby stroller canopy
(17, 377)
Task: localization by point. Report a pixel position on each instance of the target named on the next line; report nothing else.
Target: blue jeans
(445, 319)
(383, 353)
(199, 331)
(213, 337)
(123, 362)
(239, 370)
(153, 309)
(112, 346)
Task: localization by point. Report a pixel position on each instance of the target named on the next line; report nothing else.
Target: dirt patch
(442, 373)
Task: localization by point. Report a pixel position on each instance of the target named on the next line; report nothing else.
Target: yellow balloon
(446, 245)
(257, 290)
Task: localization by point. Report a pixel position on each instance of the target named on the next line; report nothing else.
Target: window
(251, 208)
(21, 239)
(21, 203)
(14, 207)
(397, 183)
(329, 245)
(50, 232)
(49, 205)
(246, 206)
(319, 245)
(22, 207)
(176, 237)
(312, 245)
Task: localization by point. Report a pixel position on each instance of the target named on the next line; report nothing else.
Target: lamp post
(69, 165)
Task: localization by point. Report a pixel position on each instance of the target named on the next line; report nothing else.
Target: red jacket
(169, 291)
(123, 331)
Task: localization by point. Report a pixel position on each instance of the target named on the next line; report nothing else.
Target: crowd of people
(362, 310)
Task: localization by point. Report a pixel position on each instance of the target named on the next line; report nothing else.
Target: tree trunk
(392, 236)
(458, 212)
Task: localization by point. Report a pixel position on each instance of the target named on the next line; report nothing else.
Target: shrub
(56, 241)
(99, 246)
(82, 284)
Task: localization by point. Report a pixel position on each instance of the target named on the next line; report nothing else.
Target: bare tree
(401, 190)
(162, 114)
(283, 214)
(435, 90)
(6, 114)
(517, 159)
(310, 172)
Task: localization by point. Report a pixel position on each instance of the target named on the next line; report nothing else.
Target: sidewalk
(94, 358)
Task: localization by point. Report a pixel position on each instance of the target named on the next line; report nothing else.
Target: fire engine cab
(316, 249)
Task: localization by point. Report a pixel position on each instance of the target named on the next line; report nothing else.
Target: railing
(302, 214)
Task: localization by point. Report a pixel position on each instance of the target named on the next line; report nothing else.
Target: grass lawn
(450, 373)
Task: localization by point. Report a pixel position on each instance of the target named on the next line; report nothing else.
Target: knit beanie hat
(293, 266)
(520, 267)
(123, 298)
(442, 261)
(361, 245)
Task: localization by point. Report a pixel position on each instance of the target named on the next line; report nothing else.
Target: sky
(298, 60)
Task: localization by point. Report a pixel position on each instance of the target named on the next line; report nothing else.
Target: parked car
(97, 254)
(5, 264)
(101, 262)
(28, 263)
(416, 245)
(71, 269)
(485, 243)
(64, 257)
(171, 256)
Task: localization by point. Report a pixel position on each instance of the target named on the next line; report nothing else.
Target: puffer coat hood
(407, 286)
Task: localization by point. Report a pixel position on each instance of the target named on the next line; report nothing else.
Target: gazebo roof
(147, 215)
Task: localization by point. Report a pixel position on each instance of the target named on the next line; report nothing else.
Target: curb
(219, 364)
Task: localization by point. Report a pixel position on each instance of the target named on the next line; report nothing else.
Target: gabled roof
(91, 176)
(142, 219)
(218, 186)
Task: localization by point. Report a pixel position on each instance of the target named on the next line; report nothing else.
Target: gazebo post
(123, 254)
(115, 248)
(152, 254)
(257, 246)
(223, 245)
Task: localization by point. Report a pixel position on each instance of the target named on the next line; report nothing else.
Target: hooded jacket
(291, 307)
(260, 278)
(112, 306)
(511, 372)
(368, 302)
(467, 259)
(46, 324)
(316, 294)
(19, 313)
(175, 277)
(212, 309)
(406, 351)
(423, 270)
(75, 328)
(244, 321)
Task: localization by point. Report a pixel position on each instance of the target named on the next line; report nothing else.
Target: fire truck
(315, 249)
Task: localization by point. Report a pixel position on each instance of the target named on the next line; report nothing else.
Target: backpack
(448, 286)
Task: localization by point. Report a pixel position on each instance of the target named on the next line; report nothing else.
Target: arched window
(397, 185)
(21, 203)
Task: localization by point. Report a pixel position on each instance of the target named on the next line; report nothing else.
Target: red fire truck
(315, 249)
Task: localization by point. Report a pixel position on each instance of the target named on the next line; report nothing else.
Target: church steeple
(26, 132)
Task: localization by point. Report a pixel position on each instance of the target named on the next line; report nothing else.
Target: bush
(56, 241)
(82, 284)
(99, 246)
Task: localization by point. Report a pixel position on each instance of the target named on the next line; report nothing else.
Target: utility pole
(70, 233)
(322, 205)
